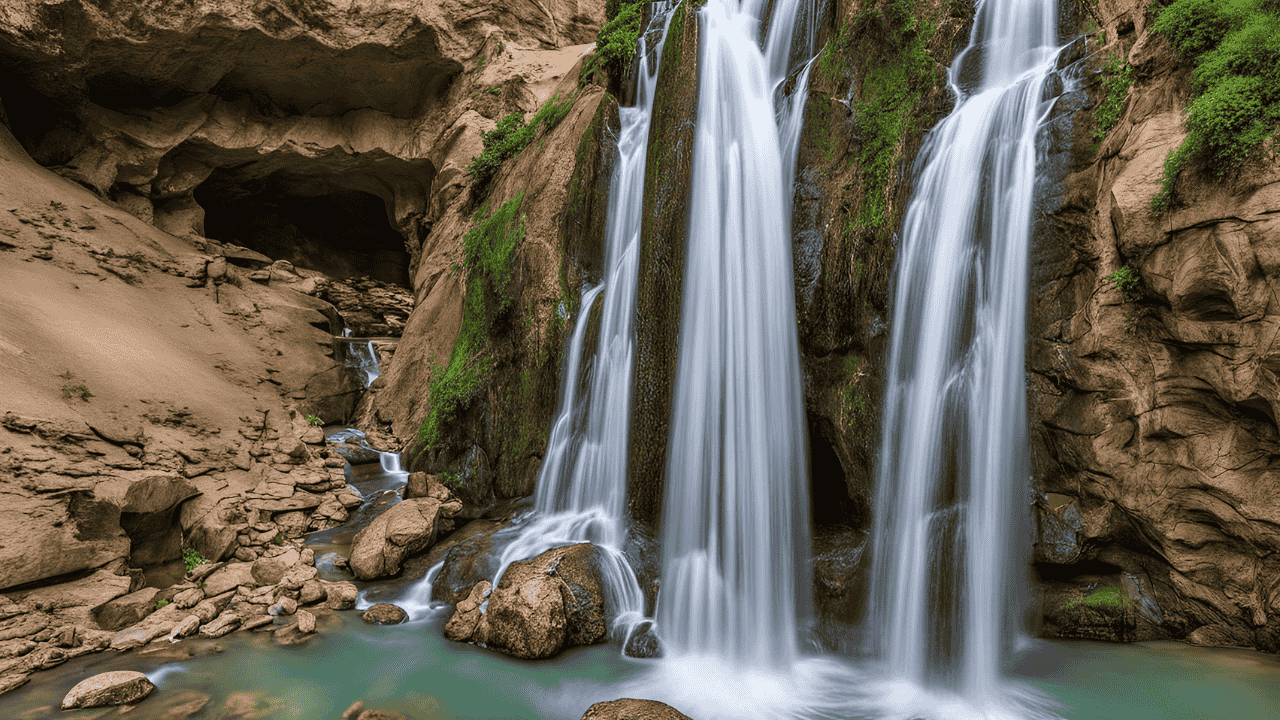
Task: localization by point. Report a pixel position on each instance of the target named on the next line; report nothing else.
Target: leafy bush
(191, 558)
(161, 603)
(1234, 46)
(1126, 281)
(513, 135)
(314, 420)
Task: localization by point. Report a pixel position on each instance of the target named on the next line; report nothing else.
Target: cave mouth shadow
(311, 222)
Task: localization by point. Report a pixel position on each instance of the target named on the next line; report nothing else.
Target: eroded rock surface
(1156, 444)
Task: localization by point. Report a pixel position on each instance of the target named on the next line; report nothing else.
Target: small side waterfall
(954, 464)
(581, 485)
(735, 522)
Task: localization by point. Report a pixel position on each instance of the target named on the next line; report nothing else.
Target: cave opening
(829, 499)
(312, 222)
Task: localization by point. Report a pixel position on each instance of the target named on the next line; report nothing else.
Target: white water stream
(735, 532)
(948, 585)
(581, 486)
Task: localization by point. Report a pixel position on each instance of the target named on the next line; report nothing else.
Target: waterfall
(581, 485)
(954, 465)
(366, 360)
(735, 532)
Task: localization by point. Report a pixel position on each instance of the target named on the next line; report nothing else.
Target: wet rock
(186, 627)
(340, 595)
(403, 529)
(384, 614)
(629, 709)
(118, 687)
(221, 625)
(473, 554)
(466, 615)
(285, 606)
(357, 711)
(270, 569)
(312, 591)
(544, 604)
(126, 610)
(229, 578)
(306, 622)
(643, 642)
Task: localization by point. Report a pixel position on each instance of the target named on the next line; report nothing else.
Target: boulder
(221, 625)
(404, 529)
(229, 577)
(466, 615)
(269, 569)
(306, 622)
(630, 709)
(118, 687)
(340, 595)
(545, 604)
(185, 628)
(384, 614)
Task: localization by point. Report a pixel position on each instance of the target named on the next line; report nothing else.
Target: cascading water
(366, 358)
(735, 516)
(954, 462)
(581, 485)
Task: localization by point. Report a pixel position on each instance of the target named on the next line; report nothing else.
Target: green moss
(490, 249)
(616, 43)
(1117, 78)
(1234, 47)
(897, 73)
(512, 135)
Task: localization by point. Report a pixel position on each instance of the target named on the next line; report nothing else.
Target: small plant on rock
(314, 420)
(1126, 281)
(161, 603)
(450, 480)
(278, 539)
(191, 558)
(80, 391)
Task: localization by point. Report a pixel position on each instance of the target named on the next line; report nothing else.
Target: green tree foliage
(1234, 47)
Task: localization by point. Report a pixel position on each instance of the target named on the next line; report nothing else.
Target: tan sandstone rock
(118, 687)
(404, 529)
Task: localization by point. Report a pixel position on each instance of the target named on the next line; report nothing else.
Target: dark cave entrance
(829, 499)
(309, 221)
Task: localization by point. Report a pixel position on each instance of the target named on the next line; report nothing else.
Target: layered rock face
(298, 128)
(1156, 442)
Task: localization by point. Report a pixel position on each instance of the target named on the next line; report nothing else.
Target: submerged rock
(118, 687)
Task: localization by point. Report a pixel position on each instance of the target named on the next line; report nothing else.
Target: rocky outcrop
(301, 127)
(540, 606)
(1156, 438)
(405, 529)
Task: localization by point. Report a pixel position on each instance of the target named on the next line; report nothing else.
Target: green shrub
(1118, 76)
(161, 603)
(314, 420)
(616, 43)
(1234, 46)
(192, 558)
(1126, 281)
(490, 249)
(513, 135)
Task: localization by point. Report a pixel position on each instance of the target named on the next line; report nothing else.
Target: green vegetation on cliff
(490, 249)
(1234, 46)
(898, 72)
(1117, 76)
(512, 135)
(616, 43)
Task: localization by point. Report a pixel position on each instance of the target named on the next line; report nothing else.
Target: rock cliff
(1155, 442)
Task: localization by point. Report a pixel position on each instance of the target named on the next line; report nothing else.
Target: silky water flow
(581, 485)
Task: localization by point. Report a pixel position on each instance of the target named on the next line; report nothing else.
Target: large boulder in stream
(548, 603)
(404, 529)
(118, 687)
